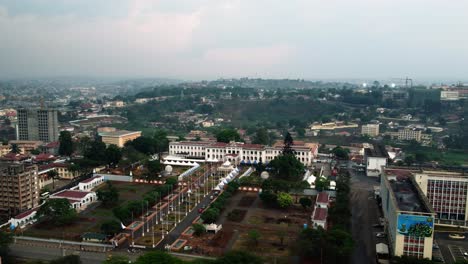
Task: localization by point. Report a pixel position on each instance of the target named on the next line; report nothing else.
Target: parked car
(456, 236)
(380, 235)
(200, 210)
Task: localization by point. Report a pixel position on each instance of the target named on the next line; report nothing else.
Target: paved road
(451, 249)
(365, 213)
(41, 253)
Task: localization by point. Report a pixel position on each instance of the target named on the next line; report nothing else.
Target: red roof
(91, 179)
(54, 144)
(53, 165)
(320, 214)
(322, 197)
(14, 157)
(44, 157)
(71, 194)
(26, 213)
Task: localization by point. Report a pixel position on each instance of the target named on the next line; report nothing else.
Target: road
(452, 250)
(365, 213)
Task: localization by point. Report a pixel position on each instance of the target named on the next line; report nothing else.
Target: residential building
(19, 188)
(38, 124)
(119, 137)
(409, 134)
(449, 95)
(409, 216)
(240, 153)
(375, 158)
(371, 130)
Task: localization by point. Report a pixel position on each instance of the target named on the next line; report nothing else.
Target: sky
(208, 39)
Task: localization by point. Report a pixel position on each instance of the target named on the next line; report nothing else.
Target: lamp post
(147, 222)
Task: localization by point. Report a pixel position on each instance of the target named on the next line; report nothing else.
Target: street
(365, 213)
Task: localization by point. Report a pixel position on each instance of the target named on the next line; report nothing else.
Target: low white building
(375, 158)
(89, 184)
(24, 219)
(78, 199)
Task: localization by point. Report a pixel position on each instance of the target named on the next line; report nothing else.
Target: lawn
(91, 219)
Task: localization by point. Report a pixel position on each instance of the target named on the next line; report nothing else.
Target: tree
(409, 160)
(281, 235)
(284, 200)
(340, 153)
(268, 198)
(321, 183)
(5, 240)
(287, 167)
(158, 257)
(261, 137)
(198, 229)
(227, 135)
(288, 143)
(108, 196)
(96, 152)
(53, 174)
(57, 212)
(154, 168)
(239, 257)
(305, 202)
(110, 227)
(70, 259)
(15, 149)
(210, 215)
(117, 260)
(66, 143)
(254, 237)
(113, 154)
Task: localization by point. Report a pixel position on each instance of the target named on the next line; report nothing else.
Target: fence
(56, 243)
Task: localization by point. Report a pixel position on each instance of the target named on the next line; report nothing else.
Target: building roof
(53, 144)
(320, 214)
(91, 179)
(405, 192)
(97, 236)
(378, 151)
(44, 157)
(14, 157)
(71, 194)
(118, 133)
(322, 197)
(26, 213)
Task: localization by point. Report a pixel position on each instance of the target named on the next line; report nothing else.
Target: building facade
(409, 217)
(409, 134)
(38, 124)
(240, 153)
(119, 137)
(372, 130)
(446, 192)
(375, 159)
(19, 185)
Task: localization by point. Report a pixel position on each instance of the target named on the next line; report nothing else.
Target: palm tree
(53, 174)
(15, 149)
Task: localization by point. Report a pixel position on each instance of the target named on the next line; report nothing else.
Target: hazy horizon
(196, 40)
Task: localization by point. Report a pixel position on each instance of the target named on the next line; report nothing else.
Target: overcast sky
(195, 39)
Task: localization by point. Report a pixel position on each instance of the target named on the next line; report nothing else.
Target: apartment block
(38, 125)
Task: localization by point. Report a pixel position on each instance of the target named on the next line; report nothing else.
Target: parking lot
(448, 249)
(458, 252)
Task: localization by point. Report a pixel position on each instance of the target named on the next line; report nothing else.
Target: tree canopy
(227, 135)
(56, 211)
(66, 143)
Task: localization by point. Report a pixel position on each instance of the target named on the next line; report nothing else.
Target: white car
(380, 235)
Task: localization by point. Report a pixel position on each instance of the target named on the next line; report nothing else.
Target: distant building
(119, 137)
(79, 200)
(449, 95)
(371, 130)
(19, 186)
(409, 216)
(240, 153)
(375, 158)
(320, 213)
(37, 124)
(409, 134)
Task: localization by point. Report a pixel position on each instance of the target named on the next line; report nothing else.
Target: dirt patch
(236, 215)
(246, 201)
(221, 239)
